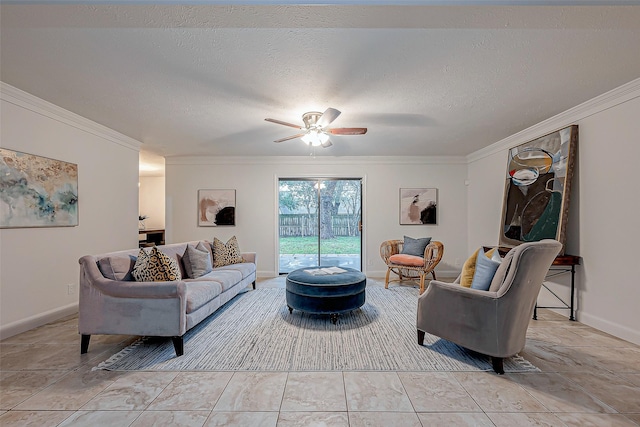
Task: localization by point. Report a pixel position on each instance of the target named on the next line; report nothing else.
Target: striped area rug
(256, 332)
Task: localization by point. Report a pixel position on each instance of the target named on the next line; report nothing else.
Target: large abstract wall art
(418, 206)
(37, 191)
(216, 207)
(537, 190)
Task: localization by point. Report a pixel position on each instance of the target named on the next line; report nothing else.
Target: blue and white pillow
(485, 270)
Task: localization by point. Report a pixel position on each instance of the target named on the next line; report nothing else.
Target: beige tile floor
(587, 378)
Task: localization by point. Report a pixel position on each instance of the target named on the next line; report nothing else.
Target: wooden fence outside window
(299, 225)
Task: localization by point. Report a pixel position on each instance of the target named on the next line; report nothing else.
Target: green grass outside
(309, 245)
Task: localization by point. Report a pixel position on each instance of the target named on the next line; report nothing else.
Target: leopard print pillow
(226, 253)
(155, 267)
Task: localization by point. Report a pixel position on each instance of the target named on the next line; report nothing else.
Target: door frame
(363, 210)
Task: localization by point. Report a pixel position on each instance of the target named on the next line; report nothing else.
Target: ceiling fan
(316, 131)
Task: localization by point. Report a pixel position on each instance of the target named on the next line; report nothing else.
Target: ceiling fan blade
(290, 137)
(347, 131)
(327, 117)
(280, 122)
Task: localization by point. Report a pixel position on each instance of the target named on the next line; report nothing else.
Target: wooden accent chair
(412, 267)
(492, 322)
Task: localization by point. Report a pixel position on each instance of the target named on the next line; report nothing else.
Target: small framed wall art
(418, 206)
(216, 207)
(37, 191)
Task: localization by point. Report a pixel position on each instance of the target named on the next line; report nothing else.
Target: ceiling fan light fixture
(315, 138)
(316, 130)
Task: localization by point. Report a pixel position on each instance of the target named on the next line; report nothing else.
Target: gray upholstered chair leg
(497, 365)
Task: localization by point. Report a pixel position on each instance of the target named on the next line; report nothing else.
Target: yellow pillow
(469, 267)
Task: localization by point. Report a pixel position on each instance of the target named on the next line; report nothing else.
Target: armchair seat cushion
(403, 259)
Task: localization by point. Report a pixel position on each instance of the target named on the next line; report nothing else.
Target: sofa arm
(124, 289)
(249, 257)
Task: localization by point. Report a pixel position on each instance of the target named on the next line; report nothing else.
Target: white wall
(602, 226)
(603, 219)
(37, 264)
(152, 197)
(255, 181)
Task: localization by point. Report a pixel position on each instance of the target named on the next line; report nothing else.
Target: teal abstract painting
(538, 188)
(37, 191)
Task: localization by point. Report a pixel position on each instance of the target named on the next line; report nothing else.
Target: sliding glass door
(319, 223)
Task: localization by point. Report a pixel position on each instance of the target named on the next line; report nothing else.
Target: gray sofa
(113, 303)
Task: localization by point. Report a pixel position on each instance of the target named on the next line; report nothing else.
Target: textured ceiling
(425, 80)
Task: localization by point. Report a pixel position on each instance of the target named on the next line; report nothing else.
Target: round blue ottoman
(325, 294)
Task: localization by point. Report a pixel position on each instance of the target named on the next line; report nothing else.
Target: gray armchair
(492, 322)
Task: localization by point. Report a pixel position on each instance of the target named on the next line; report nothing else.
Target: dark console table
(561, 265)
(153, 237)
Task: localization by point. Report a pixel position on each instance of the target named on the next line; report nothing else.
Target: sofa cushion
(245, 268)
(485, 270)
(196, 260)
(155, 267)
(226, 253)
(415, 247)
(200, 292)
(410, 260)
(226, 278)
(118, 268)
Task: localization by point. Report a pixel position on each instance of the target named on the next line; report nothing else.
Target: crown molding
(30, 102)
(569, 117)
(319, 160)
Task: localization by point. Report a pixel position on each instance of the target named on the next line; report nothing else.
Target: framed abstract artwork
(538, 188)
(418, 206)
(216, 207)
(37, 191)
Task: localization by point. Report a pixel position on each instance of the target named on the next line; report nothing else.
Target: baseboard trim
(32, 322)
(615, 329)
(266, 274)
(439, 273)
